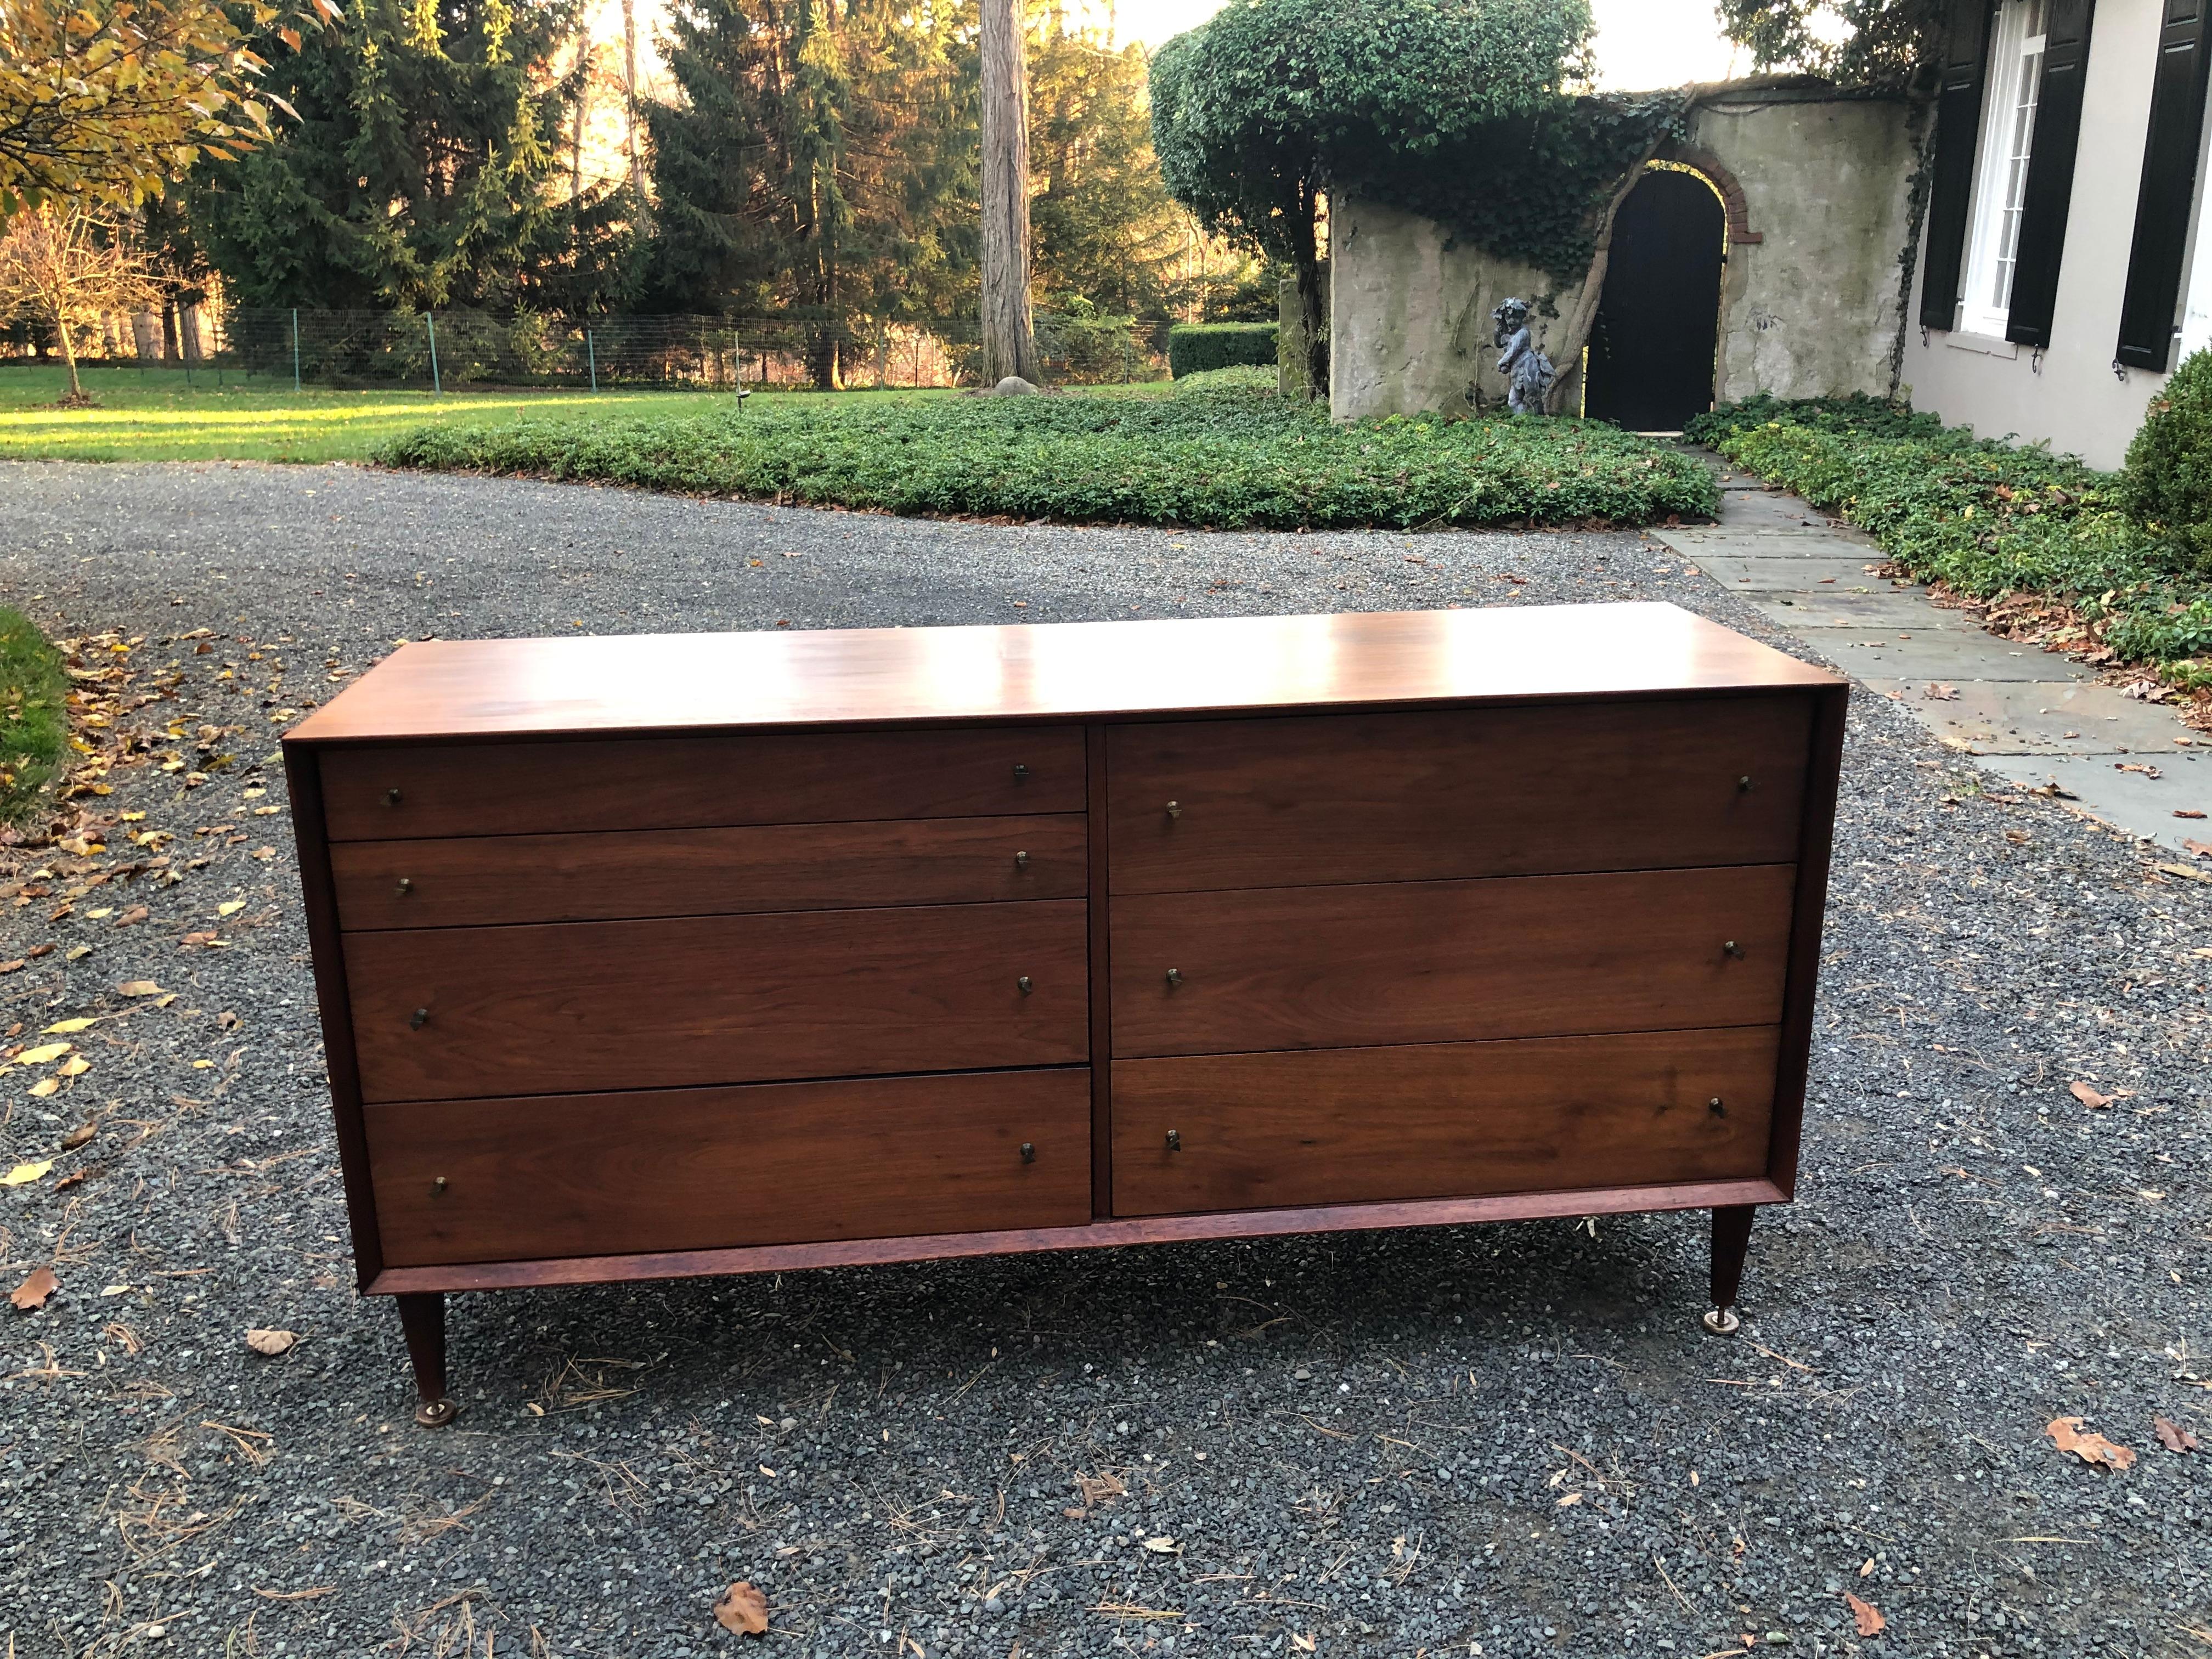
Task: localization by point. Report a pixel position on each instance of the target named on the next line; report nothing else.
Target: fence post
(296, 347)
(430, 323)
(592, 356)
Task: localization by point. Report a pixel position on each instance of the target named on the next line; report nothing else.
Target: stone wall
(1815, 185)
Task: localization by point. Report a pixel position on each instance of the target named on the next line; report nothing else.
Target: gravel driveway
(1512, 1440)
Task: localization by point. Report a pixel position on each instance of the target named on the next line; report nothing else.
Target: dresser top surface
(446, 689)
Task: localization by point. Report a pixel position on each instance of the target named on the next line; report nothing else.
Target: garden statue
(1529, 373)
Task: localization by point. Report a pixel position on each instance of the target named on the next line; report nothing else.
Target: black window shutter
(1951, 183)
(2169, 183)
(2049, 171)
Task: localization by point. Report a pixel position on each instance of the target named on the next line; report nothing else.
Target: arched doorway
(1651, 348)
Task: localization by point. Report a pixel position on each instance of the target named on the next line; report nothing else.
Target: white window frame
(2010, 94)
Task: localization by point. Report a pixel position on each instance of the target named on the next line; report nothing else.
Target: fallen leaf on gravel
(1941, 693)
(2172, 1436)
(11, 967)
(62, 1027)
(75, 1066)
(1162, 1546)
(2066, 1434)
(24, 1174)
(1867, 1616)
(743, 1609)
(133, 916)
(2202, 849)
(2184, 872)
(271, 1342)
(2185, 812)
(76, 1137)
(77, 953)
(205, 936)
(2089, 1097)
(2132, 766)
(230, 907)
(43, 1053)
(1569, 1501)
(43, 1087)
(139, 988)
(2017, 837)
(33, 1292)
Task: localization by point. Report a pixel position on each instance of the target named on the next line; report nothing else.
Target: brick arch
(1731, 194)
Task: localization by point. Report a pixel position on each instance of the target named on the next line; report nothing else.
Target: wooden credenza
(642, 958)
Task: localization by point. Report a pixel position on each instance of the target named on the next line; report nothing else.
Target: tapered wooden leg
(423, 1318)
(1731, 1239)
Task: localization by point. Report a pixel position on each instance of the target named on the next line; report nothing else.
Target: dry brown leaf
(743, 1609)
(1867, 1616)
(1940, 693)
(77, 1137)
(271, 1342)
(2066, 1434)
(139, 988)
(2089, 1097)
(11, 967)
(33, 1292)
(2172, 1436)
(2202, 849)
(2186, 812)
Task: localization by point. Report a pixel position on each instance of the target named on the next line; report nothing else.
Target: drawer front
(1460, 793)
(1466, 1119)
(479, 880)
(678, 783)
(708, 1169)
(1448, 961)
(589, 1005)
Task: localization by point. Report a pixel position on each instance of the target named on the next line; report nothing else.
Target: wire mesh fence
(449, 350)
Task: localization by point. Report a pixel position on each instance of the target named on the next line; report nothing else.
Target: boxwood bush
(2167, 486)
(1987, 517)
(1231, 458)
(1193, 348)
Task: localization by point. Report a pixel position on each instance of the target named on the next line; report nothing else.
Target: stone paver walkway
(2029, 716)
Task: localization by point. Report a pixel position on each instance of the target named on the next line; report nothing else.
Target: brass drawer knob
(1743, 786)
(1175, 977)
(1021, 860)
(418, 1019)
(406, 886)
(1175, 809)
(392, 797)
(1730, 948)
(1021, 773)
(1175, 1141)
(1026, 987)
(1029, 1151)
(1714, 1107)
(438, 1187)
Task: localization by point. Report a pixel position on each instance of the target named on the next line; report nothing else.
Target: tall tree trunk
(583, 101)
(1009, 341)
(629, 97)
(1313, 307)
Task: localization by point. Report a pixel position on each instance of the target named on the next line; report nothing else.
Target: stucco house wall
(1816, 187)
(2070, 395)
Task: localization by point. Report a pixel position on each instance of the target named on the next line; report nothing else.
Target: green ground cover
(1987, 518)
(156, 415)
(1227, 456)
(33, 713)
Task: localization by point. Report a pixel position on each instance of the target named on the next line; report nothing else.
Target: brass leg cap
(436, 1413)
(1722, 1321)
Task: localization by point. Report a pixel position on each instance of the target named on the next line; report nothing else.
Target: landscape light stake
(592, 357)
(296, 347)
(430, 323)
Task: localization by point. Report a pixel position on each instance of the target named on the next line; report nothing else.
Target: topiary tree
(2167, 485)
(1255, 112)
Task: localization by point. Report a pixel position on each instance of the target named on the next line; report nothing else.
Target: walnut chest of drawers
(641, 958)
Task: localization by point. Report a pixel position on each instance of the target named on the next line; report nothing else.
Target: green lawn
(156, 415)
(33, 713)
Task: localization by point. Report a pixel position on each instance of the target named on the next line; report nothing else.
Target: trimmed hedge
(1231, 459)
(1985, 517)
(1193, 348)
(2167, 486)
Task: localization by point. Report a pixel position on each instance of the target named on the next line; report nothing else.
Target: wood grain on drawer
(1348, 1126)
(1460, 793)
(1448, 961)
(675, 783)
(706, 1169)
(589, 1005)
(474, 880)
